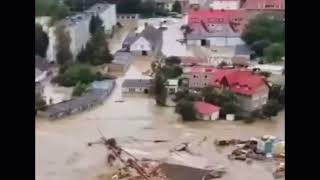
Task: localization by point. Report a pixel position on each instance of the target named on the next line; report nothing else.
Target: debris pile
(254, 148)
(130, 167)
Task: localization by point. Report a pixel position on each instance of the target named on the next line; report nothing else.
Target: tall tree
(176, 7)
(95, 24)
(101, 53)
(274, 52)
(41, 41)
(63, 45)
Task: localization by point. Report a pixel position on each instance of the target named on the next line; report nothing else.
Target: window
(206, 76)
(194, 76)
(172, 90)
(205, 84)
(132, 17)
(128, 17)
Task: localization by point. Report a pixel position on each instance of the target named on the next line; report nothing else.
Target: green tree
(147, 8)
(176, 7)
(264, 27)
(95, 24)
(80, 73)
(63, 45)
(274, 52)
(101, 53)
(186, 110)
(51, 8)
(79, 89)
(41, 41)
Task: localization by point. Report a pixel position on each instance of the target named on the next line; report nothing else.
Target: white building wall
(194, 42)
(234, 41)
(215, 116)
(223, 4)
(109, 18)
(217, 41)
(80, 35)
(141, 44)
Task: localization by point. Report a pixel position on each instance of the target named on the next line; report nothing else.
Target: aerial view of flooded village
(159, 89)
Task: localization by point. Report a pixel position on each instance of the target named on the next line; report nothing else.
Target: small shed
(136, 86)
(121, 62)
(206, 111)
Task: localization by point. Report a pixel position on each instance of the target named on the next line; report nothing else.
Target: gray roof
(90, 98)
(242, 50)
(123, 58)
(144, 83)
(150, 33)
(41, 63)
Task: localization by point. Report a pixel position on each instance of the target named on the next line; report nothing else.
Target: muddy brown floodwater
(62, 154)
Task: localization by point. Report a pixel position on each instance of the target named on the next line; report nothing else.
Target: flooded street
(62, 154)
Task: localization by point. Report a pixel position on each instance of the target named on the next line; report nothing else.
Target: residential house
(121, 62)
(42, 68)
(224, 4)
(254, 7)
(97, 93)
(146, 43)
(199, 76)
(250, 89)
(137, 86)
(206, 111)
(216, 27)
(192, 61)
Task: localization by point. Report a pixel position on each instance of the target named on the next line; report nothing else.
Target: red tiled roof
(264, 5)
(239, 81)
(205, 108)
(205, 16)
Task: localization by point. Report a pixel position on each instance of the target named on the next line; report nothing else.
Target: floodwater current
(62, 154)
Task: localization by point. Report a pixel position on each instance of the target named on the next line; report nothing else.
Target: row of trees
(265, 34)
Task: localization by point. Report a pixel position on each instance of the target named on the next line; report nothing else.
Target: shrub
(186, 110)
(79, 89)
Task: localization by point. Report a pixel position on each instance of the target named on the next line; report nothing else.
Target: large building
(224, 4)
(78, 28)
(216, 27)
(250, 89)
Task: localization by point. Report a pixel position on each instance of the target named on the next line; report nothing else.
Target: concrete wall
(222, 4)
(212, 117)
(109, 18)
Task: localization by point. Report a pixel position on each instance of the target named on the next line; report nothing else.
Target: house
(206, 111)
(254, 7)
(224, 4)
(121, 62)
(107, 13)
(148, 42)
(250, 89)
(96, 94)
(199, 76)
(216, 27)
(191, 61)
(42, 68)
(137, 86)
